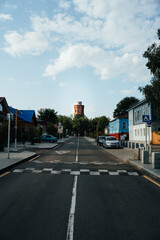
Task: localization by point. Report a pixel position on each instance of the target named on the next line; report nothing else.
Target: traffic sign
(149, 123)
(145, 118)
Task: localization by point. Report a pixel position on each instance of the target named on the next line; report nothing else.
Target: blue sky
(54, 53)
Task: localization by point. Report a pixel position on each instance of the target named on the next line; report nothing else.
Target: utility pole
(9, 124)
(16, 131)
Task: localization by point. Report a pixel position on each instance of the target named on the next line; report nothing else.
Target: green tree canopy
(81, 125)
(47, 115)
(124, 105)
(152, 91)
(66, 123)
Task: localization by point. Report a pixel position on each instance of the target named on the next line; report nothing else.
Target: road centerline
(77, 150)
(70, 229)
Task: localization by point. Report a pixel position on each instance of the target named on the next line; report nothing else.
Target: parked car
(100, 140)
(48, 138)
(111, 142)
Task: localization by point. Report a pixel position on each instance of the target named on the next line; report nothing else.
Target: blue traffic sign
(149, 123)
(145, 118)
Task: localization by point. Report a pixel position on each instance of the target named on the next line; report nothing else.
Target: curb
(23, 160)
(17, 163)
(143, 170)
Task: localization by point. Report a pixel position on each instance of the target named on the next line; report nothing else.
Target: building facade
(119, 128)
(79, 109)
(26, 120)
(139, 131)
(4, 109)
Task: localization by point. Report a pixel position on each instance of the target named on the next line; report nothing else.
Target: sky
(54, 53)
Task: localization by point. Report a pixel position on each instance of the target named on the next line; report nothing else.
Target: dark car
(100, 140)
(48, 138)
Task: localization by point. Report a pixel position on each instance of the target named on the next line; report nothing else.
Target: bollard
(156, 160)
(139, 154)
(145, 156)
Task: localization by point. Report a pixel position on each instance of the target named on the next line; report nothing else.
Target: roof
(26, 115)
(2, 99)
(125, 116)
(137, 104)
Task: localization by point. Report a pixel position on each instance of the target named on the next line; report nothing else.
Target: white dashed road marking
(78, 172)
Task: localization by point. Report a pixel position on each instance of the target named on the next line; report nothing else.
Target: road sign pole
(146, 134)
(9, 124)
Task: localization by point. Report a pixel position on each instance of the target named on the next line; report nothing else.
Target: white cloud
(109, 36)
(128, 92)
(32, 43)
(5, 17)
(10, 6)
(64, 4)
(104, 63)
(62, 84)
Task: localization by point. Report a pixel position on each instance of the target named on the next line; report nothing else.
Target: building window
(124, 125)
(135, 132)
(1, 108)
(135, 116)
(141, 132)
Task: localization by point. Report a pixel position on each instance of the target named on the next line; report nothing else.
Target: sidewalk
(16, 157)
(127, 155)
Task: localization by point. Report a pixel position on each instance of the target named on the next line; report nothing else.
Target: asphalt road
(78, 191)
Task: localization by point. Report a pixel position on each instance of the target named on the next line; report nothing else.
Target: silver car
(111, 142)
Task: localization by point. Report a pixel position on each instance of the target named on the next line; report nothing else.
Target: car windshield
(111, 138)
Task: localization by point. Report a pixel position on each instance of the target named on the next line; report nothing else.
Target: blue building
(119, 128)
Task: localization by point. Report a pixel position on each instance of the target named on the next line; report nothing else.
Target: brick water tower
(79, 109)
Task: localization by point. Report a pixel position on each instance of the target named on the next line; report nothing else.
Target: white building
(139, 132)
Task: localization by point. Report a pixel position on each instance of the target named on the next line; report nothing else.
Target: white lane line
(29, 169)
(77, 150)
(84, 170)
(18, 170)
(56, 172)
(70, 229)
(37, 171)
(103, 171)
(133, 174)
(121, 171)
(47, 169)
(94, 173)
(66, 170)
(75, 173)
(113, 173)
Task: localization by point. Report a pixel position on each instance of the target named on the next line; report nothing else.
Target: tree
(51, 129)
(66, 123)
(103, 122)
(81, 125)
(152, 91)
(47, 115)
(124, 105)
(97, 126)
